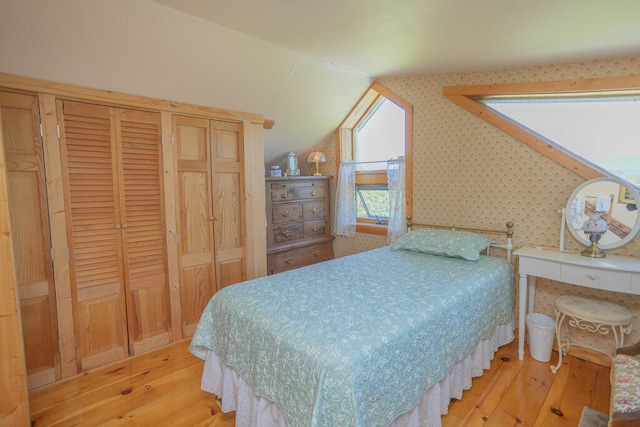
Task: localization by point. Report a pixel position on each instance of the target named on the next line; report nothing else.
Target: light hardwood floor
(162, 388)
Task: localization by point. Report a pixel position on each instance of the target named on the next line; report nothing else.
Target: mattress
(359, 340)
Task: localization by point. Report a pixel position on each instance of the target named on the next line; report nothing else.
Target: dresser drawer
(541, 268)
(635, 283)
(296, 191)
(313, 210)
(287, 212)
(287, 233)
(314, 228)
(301, 257)
(610, 280)
(311, 192)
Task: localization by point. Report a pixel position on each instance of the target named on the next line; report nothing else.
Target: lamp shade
(317, 157)
(595, 224)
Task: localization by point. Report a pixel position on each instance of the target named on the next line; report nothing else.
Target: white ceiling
(399, 37)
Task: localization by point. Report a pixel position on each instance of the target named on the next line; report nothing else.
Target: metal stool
(593, 316)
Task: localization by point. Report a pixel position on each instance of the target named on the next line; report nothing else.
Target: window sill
(379, 229)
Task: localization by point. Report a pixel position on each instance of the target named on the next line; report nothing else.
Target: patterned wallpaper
(468, 173)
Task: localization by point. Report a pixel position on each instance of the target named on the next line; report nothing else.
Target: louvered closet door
(195, 219)
(143, 229)
(228, 186)
(30, 235)
(113, 182)
(89, 153)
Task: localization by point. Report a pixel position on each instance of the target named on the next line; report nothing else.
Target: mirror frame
(580, 236)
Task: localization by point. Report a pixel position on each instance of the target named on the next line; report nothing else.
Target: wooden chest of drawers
(298, 222)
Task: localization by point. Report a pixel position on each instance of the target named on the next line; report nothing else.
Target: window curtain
(396, 171)
(345, 216)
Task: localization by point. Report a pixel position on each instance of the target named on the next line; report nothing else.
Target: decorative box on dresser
(298, 222)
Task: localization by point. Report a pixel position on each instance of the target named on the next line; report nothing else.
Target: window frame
(365, 206)
(345, 139)
(468, 97)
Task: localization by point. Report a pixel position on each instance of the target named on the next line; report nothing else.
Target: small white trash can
(542, 331)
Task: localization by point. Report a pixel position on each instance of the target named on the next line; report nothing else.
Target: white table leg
(532, 294)
(522, 303)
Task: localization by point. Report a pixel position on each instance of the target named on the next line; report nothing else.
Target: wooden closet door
(228, 202)
(195, 219)
(30, 236)
(89, 154)
(139, 140)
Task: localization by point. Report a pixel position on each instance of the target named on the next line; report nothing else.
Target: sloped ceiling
(301, 63)
(385, 38)
(381, 38)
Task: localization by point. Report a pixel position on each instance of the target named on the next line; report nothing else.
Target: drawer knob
(314, 210)
(286, 213)
(592, 277)
(287, 233)
(316, 253)
(315, 228)
(286, 195)
(314, 193)
(289, 260)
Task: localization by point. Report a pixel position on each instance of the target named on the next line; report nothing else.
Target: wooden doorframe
(13, 369)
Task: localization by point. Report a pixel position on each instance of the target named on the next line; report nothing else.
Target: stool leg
(616, 338)
(559, 319)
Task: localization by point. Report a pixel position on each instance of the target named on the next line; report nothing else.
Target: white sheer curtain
(396, 171)
(345, 216)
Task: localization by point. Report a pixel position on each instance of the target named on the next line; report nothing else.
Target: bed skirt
(251, 410)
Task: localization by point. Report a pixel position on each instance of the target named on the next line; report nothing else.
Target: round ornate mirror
(616, 202)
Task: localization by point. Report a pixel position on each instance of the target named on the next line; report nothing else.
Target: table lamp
(317, 157)
(594, 228)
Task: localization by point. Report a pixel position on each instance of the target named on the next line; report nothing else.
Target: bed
(382, 338)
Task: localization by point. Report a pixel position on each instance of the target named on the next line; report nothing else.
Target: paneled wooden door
(31, 235)
(227, 159)
(115, 227)
(196, 261)
(210, 189)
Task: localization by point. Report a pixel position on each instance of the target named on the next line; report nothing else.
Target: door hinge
(68, 253)
(167, 239)
(177, 239)
(58, 130)
(59, 346)
(173, 139)
(51, 253)
(41, 131)
(75, 343)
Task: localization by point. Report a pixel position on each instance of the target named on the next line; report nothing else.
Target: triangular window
(603, 131)
(589, 126)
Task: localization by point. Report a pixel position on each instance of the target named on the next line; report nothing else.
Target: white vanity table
(612, 273)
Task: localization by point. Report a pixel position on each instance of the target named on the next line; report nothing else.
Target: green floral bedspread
(356, 341)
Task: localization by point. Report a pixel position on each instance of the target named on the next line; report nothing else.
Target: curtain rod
(371, 161)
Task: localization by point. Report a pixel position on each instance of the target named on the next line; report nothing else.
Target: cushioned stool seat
(624, 409)
(591, 315)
